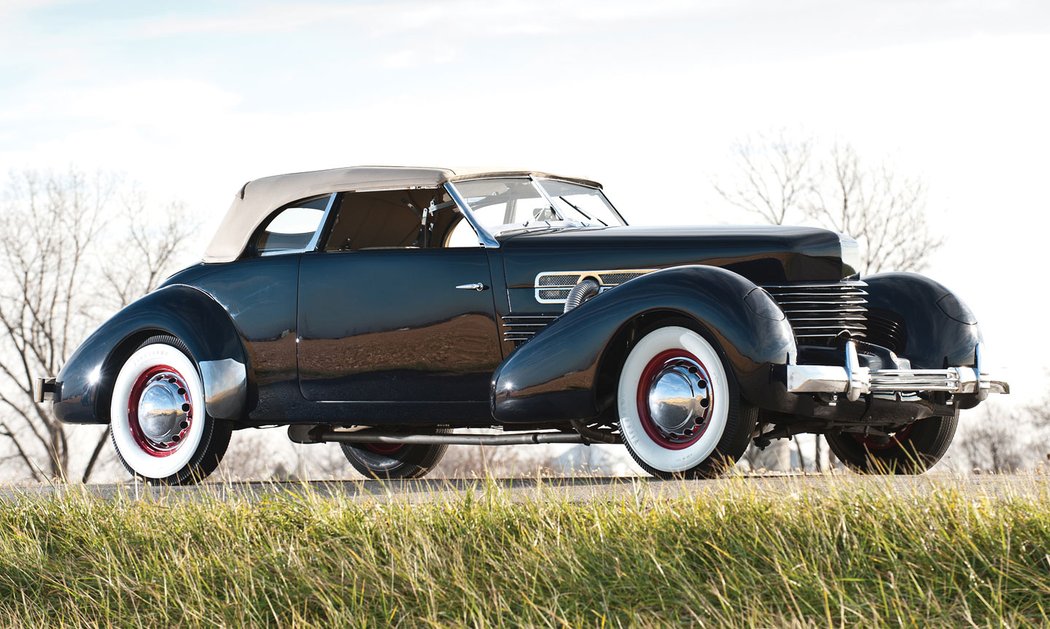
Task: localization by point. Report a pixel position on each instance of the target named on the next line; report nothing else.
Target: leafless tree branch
(775, 177)
(51, 250)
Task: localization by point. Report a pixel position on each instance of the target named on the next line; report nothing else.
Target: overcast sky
(192, 99)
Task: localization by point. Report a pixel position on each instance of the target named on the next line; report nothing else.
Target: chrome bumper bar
(855, 381)
(44, 390)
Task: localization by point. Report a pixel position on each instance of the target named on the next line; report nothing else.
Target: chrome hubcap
(678, 398)
(161, 412)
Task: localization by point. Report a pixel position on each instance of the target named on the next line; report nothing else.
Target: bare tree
(51, 257)
(785, 180)
(1005, 439)
(886, 213)
(48, 227)
(994, 442)
(775, 177)
(152, 242)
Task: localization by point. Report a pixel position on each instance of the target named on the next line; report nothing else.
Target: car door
(383, 318)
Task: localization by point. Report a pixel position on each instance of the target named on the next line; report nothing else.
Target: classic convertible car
(392, 309)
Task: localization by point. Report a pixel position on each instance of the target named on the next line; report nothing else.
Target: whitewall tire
(159, 423)
(680, 413)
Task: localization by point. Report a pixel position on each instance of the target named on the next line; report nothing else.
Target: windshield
(511, 204)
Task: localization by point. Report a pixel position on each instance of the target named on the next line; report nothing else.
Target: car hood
(764, 254)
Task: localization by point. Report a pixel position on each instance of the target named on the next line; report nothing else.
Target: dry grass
(846, 554)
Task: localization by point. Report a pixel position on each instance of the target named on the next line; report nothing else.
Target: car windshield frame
(489, 239)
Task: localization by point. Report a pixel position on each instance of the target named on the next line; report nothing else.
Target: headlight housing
(955, 309)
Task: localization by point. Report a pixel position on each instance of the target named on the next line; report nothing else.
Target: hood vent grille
(553, 287)
(821, 312)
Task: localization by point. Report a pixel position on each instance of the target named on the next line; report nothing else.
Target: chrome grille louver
(820, 312)
(521, 328)
(887, 330)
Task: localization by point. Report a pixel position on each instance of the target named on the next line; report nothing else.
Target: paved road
(573, 489)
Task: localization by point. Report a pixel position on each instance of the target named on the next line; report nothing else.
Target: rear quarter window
(290, 229)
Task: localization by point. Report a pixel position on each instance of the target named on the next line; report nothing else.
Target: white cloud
(424, 55)
(147, 102)
(442, 20)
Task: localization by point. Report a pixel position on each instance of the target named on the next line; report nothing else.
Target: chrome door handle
(478, 286)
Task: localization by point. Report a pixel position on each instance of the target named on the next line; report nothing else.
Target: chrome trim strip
(521, 328)
(841, 285)
(323, 226)
(544, 194)
(485, 239)
(613, 207)
(225, 387)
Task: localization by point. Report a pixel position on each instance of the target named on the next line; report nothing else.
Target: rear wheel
(159, 424)
(680, 413)
(911, 449)
(387, 461)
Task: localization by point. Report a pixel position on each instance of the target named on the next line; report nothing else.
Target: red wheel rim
(174, 382)
(875, 444)
(658, 366)
(383, 448)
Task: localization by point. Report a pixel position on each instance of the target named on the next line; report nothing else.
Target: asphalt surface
(580, 489)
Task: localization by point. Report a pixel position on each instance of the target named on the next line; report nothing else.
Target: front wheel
(911, 449)
(680, 413)
(159, 423)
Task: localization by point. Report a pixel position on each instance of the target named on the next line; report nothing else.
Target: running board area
(325, 434)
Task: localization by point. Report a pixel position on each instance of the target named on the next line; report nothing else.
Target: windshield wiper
(582, 213)
(536, 226)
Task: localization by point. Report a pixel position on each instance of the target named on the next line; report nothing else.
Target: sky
(192, 99)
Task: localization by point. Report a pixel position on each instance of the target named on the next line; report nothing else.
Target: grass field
(850, 555)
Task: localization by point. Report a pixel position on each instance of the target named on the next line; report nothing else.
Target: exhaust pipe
(324, 434)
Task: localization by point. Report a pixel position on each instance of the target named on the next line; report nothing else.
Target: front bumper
(855, 381)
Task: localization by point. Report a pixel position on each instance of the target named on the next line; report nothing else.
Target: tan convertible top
(258, 198)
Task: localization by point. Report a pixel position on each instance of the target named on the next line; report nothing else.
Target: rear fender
(83, 386)
(554, 377)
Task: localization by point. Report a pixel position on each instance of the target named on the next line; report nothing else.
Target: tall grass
(946, 553)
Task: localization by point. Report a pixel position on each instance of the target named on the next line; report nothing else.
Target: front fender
(554, 377)
(190, 315)
(915, 306)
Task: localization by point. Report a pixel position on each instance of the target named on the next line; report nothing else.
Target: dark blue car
(387, 309)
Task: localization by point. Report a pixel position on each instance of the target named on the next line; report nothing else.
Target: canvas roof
(258, 198)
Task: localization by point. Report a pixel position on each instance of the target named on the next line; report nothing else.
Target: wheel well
(112, 366)
(608, 377)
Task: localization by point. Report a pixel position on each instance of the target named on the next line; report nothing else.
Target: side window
(291, 228)
(379, 220)
(462, 235)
